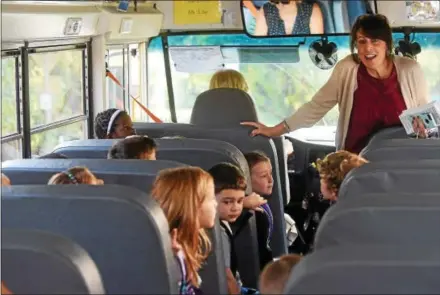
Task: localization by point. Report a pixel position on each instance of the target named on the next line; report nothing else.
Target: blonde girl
(187, 197)
(228, 79)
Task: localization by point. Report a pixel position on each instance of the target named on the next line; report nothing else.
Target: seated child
(187, 197)
(333, 169)
(261, 172)
(230, 187)
(262, 184)
(75, 175)
(133, 147)
(5, 180)
(113, 123)
(274, 276)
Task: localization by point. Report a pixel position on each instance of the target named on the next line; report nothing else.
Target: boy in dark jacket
(230, 186)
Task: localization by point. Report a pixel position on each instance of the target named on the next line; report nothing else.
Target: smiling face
(372, 52)
(371, 36)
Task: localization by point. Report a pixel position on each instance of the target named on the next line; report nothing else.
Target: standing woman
(289, 17)
(371, 88)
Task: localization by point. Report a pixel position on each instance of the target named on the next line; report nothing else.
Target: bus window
(127, 63)
(429, 60)
(11, 142)
(157, 81)
(56, 96)
(44, 142)
(115, 94)
(9, 91)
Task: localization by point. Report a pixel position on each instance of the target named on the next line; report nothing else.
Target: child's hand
(253, 202)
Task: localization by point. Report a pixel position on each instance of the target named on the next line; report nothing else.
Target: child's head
(333, 170)
(228, 79)
(274, 276)
(261, 172)
(187, 197)
(75, 175)
(134, 147)
(230, 186)
(5, 180)
(113, 123)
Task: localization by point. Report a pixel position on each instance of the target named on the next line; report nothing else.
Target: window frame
(19, 132)
(24, 130)
(15, 54)
(125, 78)
(126, 70)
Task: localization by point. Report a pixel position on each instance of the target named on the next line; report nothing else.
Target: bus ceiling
(121, 23)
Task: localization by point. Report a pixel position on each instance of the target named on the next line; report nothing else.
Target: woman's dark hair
(132, 147)
(103, 119)
(373, 26)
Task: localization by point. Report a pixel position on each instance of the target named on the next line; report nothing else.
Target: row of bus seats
(381, 236)
(122, 229)
(204, 153)
(136, 176)
(210, 122)
(140, 175)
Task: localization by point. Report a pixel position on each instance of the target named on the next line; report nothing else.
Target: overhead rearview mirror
(301, 17)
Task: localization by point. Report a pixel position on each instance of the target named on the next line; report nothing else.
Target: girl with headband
(113, 123)
(75, 175)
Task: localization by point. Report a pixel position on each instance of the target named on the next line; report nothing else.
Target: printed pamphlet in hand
(422, 121)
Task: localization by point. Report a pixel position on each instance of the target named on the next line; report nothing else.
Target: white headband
(112, 120)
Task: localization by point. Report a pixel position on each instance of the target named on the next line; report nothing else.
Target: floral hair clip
(71, 177)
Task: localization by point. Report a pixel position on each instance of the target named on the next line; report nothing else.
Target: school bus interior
(63, 62)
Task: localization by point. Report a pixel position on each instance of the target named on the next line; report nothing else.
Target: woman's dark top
(275, 25)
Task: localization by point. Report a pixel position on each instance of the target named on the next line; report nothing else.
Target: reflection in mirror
(301, 17)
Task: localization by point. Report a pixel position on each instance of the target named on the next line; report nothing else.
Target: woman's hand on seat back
(261, 129)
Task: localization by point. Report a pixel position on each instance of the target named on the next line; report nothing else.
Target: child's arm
(233, 288)
(253, 202)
